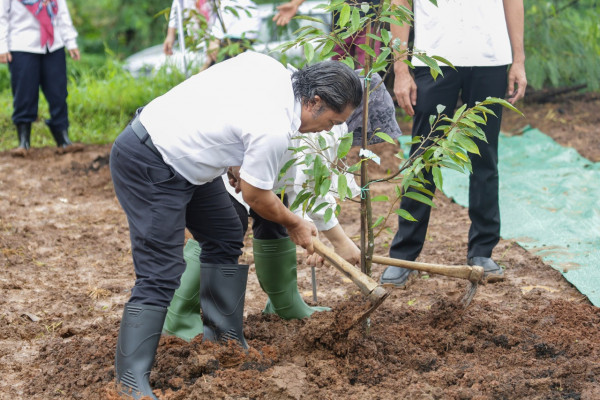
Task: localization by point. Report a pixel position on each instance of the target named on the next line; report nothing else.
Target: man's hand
(5, 58)
(301, 232)
(342, 244)
(266, 204)
(286, 12)
(405, 90)
(233, 173)
(517, 82)
(169, 41)
(348, 251)
(74, 53)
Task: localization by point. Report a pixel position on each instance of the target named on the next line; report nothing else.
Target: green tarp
(549, 204)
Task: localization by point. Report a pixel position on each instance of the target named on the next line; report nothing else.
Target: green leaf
(324, 188)
(476, 118)
(342, 186)
(349, 62)
(286, 166)
(459, 112)
(496, 100)
(391, 21)
(344, 145)
(430, 62)
(443, 60)
(381, 197)
(365, 7)
(344, 15)
(232, 11)
(462, 156)
(309, 18)
(320, 207)
(309, 51)
(452, 166)
(437, 177)
(378, 222)
(432, 120)
(440, 108)
(322, 143)
(419, 197)
(404, 214)
(355, 167)
(468, 144)
(367, 49)
(374, 37)
(385, 137)
(328, 215)
(327, 47)
(385, 35)
(302, 195)
(355, 19)
(385, 52)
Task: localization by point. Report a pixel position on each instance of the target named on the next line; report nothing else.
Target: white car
(269, 37)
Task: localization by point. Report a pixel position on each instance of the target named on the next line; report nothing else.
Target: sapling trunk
(366, 215)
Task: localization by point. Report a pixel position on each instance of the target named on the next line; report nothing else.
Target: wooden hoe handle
(471, 273)
(366, 284)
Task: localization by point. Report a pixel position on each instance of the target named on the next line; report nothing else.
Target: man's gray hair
(334, 82)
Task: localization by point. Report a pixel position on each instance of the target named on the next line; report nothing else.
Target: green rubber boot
(183, 317)
(275, 262)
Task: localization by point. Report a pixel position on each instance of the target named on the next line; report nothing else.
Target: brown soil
(66, 271)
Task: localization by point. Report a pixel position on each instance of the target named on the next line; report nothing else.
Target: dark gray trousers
(160, 204)
(472, 84)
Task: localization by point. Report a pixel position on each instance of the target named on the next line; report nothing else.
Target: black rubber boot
(139, 334)
(64, 144)
(24, 134)
(222, 295)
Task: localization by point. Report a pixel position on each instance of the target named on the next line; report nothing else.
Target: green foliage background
(123, 26)
(562, 45)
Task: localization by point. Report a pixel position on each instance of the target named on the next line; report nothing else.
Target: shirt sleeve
(66, 28)
(4, 10)
(262, 156)
(173, 15)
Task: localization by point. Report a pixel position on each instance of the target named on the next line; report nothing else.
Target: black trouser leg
(53, 81)
(484, 209)
(25, 76)
(410, 236)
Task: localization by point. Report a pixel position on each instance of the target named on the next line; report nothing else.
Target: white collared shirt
(20, 30)
(240, 112)
(465, 32)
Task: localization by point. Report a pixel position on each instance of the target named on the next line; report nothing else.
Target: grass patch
(102, 99)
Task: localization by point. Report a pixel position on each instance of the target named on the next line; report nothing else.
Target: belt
(143, 135)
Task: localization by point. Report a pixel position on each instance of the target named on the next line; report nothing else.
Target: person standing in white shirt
(33, 36)
(221, 24)
(484, 41)
(166, 168)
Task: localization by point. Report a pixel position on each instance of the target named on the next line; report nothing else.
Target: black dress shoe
(492, 271)
(395, 276)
